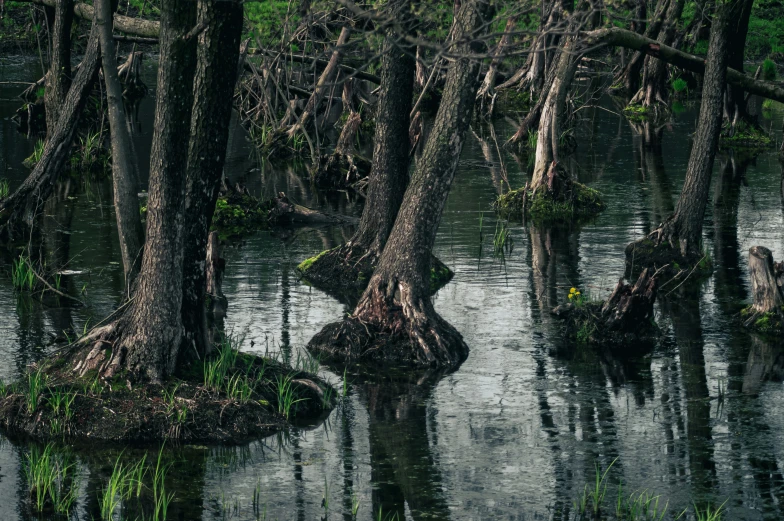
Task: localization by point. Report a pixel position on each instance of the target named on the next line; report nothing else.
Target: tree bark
(18, 211)
(629, 76)
(654, 83)
(389, 172)
(125, 171)
(216, 76)
(58, 81)
(151, 331)
(682, 231)
(126, 24)
(396, 309)
(735, 108)
(487, 88)
(767, 279)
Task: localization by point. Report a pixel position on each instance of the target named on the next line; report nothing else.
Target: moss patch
(511, 100)
(540, 207)
(239, 214)
(305, 265)
(770, 323)
(582, 325)
(636, 111)
(745, 136)
(668, 261)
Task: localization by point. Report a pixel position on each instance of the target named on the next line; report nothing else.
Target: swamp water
(518, 430)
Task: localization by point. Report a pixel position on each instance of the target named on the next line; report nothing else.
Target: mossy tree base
(667, 261)
(639, 112)
(345, 271)
(770, 323)
(244, 403)
(571, 202)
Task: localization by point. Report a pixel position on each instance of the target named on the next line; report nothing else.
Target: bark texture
(680, 236)
(213, 90)
(125, 171)
(767, 279)
(58, 81)
(388, 176)
(150, 333)
(395, 319)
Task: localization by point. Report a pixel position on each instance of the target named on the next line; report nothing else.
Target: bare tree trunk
(629, 77)
(125, 171)
(216, 76)
(342, 266)
(679, 238)
(151, 331)
(324, 82)
(395, 319)
(18, 211)
(58, 81)
(735, 106)
(654, 83)
(487, 89)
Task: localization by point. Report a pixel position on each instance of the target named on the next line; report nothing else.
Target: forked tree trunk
(324, 82)
(654, 83)
(125, 171)
(389, 172)
(58, 81)
(150, 331)
(216, 76)
(682, 231)
(396, 309)
(18, 211)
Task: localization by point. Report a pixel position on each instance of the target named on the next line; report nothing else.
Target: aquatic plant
(709, 514)
(216, 370)
(639, 506)
(36, 383)
(161, 499)
(595, 495)
(52, 479)
(61, 400)
(502, 240)
(119, 483)
(22, 274)
(5, 188)
(287, 395)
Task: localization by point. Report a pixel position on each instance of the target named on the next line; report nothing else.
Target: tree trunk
(767, 279)
(19, 210)
(58, 81)
(654, 83)
(681, 234)
(343, 168)
(389, 173)
(214, 276)
(125, 171)
(487, 89)
(395, 317)
(735, 108)
(151, 331)
(216, 76)
(629, 77)
(324, 82)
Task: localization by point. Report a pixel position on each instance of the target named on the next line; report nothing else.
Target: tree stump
(767, 279)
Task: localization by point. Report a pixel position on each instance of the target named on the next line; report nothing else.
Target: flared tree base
(427, 341)
(666, 259)
(344, 272)
(571, 201)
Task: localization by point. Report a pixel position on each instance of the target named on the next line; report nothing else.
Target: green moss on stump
(636, 112)
(240, 214)
(585, 202)
(745, 136)
(770, 323)
(303, 266)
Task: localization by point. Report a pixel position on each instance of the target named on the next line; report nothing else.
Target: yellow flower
(570, 295)
(577, 293)
(572, 290)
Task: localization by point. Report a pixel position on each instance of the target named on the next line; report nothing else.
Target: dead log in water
(766, 313)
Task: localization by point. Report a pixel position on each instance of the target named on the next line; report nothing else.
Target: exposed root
(400, 330)
(671, 261)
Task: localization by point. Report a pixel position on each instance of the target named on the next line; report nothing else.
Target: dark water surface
(517, 431)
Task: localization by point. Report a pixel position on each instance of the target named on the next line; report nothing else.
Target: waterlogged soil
(518, 430)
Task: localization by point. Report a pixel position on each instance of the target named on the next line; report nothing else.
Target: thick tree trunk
(19, 210)
(216, 76)
(654, 83)
(125, 171)
(681, 234)
(324, 82)
(389, 173)
(58, 81)
(151, 331)
(395, 316)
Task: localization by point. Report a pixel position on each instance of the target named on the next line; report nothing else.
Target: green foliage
(287, 395)
(239, 214)
(35, 157)
(52, 479)
(4, 188)
(769, 70)
(303, 266)
(679, 85)
(264, 20)
(217, 369)
(22, 274)
(36, 383)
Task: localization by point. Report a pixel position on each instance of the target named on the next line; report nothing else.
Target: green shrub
(769, 70)
(679, 85)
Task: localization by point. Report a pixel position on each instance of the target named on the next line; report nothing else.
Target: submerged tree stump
(624, 319)
(766, 314)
